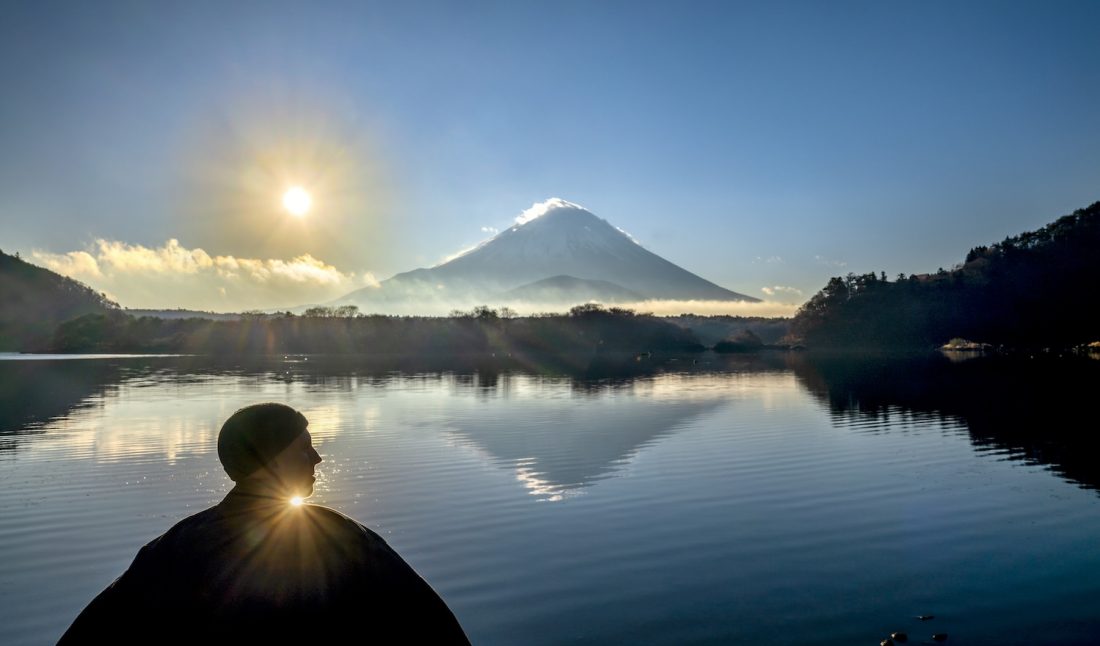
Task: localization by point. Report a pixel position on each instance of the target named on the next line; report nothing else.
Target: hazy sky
(760, 145)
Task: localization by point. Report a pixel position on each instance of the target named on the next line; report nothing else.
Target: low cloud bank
(713, 308)
(173, 276)
(443, 306)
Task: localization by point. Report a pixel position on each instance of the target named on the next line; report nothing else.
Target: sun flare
(297, 201)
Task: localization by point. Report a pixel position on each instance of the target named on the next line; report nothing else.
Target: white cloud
(76, 264)
(540, 208)
(731, 308)
(771, 260)
(171, 258)
(673, 308)
(490, 230)
(632, 238)
(781, 289)
(832, 263)
(172, 276)
(458, 254)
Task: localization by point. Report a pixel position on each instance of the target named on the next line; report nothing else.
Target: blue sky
(756, 144)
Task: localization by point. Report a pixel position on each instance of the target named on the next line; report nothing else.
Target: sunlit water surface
(723, 502)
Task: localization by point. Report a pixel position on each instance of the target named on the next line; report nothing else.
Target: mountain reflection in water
(1035, 410)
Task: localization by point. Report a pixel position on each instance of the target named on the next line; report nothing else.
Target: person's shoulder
(329, 516)
(338, 524)
(183, 531)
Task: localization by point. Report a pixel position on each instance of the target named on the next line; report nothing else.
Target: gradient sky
(760, 145)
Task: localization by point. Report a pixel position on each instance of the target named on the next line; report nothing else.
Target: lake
(770, 500)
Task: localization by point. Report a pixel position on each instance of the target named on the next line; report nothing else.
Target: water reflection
(33, 393)
(589, 440)
(706, 499)
(605, 409)
(1037, 410)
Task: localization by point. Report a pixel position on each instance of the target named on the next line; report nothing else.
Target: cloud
(75, 264)
(458, 254)
(540, 208)
(731, 308)
(490, 230)
(171, 258)
(832, 263)
(771, 260)
(632, 238)
(676, 307)
(782, 290)
(172, 276)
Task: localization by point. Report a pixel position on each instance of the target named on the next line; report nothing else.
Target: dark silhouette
(1029, 290)
(257, 568)
(712, 330)
(36, 300)
(743, 341)
(586, 328)
(1033, 410)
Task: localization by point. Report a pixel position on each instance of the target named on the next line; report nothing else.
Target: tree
(485, 313)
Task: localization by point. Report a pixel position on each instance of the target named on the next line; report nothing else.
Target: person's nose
(316, 456)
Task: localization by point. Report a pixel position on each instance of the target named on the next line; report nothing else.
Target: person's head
(268, 444)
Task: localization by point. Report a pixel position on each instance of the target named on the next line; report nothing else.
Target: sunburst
(297, 201)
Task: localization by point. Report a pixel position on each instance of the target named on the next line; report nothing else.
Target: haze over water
(776, 500)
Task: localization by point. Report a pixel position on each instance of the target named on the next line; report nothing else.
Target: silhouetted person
(257, 569)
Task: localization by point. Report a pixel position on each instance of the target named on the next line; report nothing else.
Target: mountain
(33, 301)
(557, 241)
(567, 290)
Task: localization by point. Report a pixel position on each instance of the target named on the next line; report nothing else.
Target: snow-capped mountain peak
(552, 239)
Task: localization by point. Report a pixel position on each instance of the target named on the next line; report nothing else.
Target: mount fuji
(557, 253)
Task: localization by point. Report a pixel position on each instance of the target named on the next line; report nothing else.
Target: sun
(297, 201)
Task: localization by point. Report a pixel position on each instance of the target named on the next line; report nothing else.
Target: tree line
(1030, 290)
(586, 329)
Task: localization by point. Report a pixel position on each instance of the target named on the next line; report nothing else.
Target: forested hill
(1033, 290)
(34, 301)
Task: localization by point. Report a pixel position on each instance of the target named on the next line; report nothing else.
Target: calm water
(776, 500)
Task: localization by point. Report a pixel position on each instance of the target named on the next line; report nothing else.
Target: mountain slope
(567, 289)
(34, 300)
